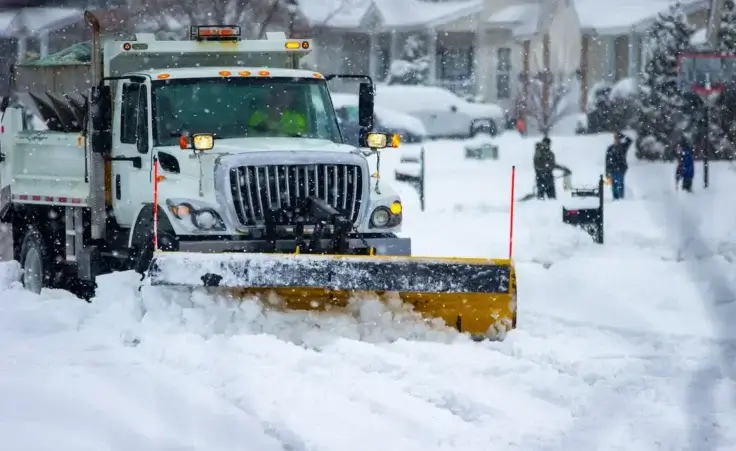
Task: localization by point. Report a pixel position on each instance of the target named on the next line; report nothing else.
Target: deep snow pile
(625, 346)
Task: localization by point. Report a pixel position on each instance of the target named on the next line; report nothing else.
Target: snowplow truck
(175, 159)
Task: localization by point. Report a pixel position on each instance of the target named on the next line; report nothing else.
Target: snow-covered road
(626, 346)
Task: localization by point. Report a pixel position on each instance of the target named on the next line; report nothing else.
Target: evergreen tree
(727, 32)
(413, 67)
(721, 124)
(662, 103)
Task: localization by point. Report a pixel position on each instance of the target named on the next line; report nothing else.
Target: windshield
(243, 107)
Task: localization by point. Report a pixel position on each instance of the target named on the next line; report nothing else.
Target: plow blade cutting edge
(477, 296)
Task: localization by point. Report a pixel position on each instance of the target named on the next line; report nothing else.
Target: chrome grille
(258, 189)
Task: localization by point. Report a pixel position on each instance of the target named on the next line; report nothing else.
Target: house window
(503, 73)
(455, 64)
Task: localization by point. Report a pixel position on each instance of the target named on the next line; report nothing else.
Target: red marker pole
(511, 214)
(155, 204)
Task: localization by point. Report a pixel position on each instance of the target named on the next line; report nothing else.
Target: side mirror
(100, 119)
(365, 106)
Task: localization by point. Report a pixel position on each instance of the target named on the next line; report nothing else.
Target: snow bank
(622, 346)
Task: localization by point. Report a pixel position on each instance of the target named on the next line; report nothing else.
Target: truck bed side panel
(50, 165)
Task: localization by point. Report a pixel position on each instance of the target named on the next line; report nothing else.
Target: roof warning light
(215, 33)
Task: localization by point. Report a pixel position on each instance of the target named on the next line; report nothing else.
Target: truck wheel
(143, 258)
(36, 261)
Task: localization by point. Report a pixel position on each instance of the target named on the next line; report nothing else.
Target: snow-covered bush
(623, 102)
(413, 67)
(662, 120)
(611, 108)
(597, 108)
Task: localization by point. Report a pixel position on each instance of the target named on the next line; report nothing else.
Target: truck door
(131, 161)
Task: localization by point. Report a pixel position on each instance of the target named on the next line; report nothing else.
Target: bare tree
(550, 96)
(559, 92)
(176, 16)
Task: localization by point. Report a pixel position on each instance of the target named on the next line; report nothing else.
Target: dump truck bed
(54, 93)
(61, 78)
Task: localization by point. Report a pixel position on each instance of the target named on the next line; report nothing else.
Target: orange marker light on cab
(395, 140)
(183, 142)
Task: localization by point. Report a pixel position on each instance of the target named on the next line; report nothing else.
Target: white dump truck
(243, 154)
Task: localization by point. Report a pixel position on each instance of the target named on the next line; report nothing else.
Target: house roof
(525, 19)
(623, 16)
(36, 20)
(394, 14)
(522, 19)
(600, 16)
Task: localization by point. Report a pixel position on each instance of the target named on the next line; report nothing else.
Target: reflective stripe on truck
(34, 198)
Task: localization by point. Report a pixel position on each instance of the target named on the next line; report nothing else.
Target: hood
(241, 145)
(189, 166)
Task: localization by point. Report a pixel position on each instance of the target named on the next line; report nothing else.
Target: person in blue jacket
(685, 166)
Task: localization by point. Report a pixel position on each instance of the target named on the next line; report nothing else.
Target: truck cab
(207, 145)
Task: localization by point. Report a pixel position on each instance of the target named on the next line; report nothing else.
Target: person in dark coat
(544, 163)
(685, 166)
(616, 165)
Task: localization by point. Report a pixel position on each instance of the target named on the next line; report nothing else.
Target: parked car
(408, 127)
(443, 113)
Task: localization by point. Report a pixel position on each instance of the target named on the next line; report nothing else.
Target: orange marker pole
(155, 204)
(511, 214)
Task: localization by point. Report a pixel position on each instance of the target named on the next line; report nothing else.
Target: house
(481, 46)
(365, 36)
(522, 40)
(609, 41)
(615, 45)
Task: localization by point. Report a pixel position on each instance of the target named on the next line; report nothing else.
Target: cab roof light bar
(215, 33)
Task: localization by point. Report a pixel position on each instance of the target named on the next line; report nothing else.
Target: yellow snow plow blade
(477, 296)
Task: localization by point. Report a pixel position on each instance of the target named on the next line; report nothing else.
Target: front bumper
(382, 246)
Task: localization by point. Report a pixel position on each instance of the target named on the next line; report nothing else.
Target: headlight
(205, 219)
(383, 217)
(380, 217)
(198, 215)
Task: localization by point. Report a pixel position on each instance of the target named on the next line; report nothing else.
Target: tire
(36, 261)
(143, 258)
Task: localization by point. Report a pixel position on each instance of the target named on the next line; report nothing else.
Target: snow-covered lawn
(626, 346)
